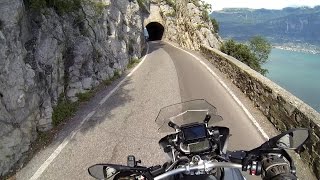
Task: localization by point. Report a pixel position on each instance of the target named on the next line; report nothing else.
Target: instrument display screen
(195, 132)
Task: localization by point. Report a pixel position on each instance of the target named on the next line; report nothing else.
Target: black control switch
(131, 161)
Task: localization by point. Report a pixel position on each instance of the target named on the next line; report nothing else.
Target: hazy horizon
(264, 8)
(261, 4)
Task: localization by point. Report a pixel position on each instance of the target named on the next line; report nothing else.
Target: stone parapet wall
(283, 110)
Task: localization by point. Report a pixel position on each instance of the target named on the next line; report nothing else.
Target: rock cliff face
(46, 53)
(52, 51)
(187, 24)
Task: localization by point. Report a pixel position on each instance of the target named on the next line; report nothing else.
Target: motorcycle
(198, 150)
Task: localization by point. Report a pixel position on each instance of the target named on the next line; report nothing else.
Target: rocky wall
(186, 24)
(284, 110)
(49, 51)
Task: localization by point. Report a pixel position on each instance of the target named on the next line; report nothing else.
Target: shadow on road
(155, 45)
(106, 111)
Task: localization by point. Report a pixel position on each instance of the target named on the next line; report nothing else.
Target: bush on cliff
(253, 55)
(61, 6)
(215, 24)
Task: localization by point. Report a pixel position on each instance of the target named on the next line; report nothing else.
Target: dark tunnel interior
(155, 31)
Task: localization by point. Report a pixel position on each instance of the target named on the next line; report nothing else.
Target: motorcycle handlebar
(205, 166)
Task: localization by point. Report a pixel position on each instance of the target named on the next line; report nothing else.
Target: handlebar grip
(157, 172)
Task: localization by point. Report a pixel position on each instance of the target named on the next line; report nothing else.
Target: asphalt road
(124, 123)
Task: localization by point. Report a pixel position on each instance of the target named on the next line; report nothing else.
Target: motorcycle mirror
(291, 139)
(102, 171)
(207, 119)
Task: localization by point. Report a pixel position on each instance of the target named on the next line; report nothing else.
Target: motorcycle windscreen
(185, 113)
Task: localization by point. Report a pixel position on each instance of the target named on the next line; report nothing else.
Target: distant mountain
(300, 25)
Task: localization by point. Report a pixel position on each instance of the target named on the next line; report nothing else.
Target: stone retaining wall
(284, 110)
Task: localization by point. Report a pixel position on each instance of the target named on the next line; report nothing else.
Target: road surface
(124, 122)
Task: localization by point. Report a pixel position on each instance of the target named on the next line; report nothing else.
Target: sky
(257, 4)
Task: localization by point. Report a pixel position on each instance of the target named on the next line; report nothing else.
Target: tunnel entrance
(155, 31)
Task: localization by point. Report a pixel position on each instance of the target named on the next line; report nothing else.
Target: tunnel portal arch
(155, 31)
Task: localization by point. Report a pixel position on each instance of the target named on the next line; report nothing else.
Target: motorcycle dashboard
(194, 132)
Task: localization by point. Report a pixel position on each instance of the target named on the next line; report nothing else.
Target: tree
(260, 47)
(215, 24)
(243, 53)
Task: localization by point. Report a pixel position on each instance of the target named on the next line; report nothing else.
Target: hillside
(299, 25)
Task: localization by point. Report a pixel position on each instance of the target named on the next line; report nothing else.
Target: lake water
(297, 72)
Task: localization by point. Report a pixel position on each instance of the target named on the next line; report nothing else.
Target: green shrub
(61, 6)
(141, 3)
(195, 2)
(205, 15)
(44, 137)
(243, 53)
(199, 26)
(206, 8)
(172, 14)
(172, 3)
(116, 75)
(65, 6)
(133, 62)
(260, 47)
(107, 82)
(215, 25)
(86, 96)
(99, 7)
(64, 110)
(37, 4)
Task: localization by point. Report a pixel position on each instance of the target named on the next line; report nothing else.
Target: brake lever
(248, 159)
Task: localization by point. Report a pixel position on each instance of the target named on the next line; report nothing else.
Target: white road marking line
(56, 152)
(44, 166)
(255, 123)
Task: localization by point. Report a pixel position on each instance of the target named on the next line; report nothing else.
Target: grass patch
(133, 62)
(44, 137)
(172, 14)
(141, 3)
(86, 96)
(64, 110)
(199, 26)
(65, 6)
(116, 75)
(107, 82)
(172, 3)
(99, 7)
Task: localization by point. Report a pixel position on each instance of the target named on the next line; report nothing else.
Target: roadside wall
(284, 110)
